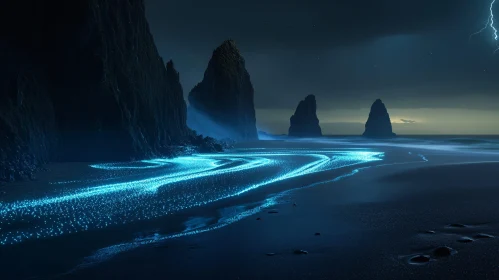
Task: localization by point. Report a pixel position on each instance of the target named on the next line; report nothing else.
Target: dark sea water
(458, 141)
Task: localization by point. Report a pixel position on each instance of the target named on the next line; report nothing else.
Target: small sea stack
(304, 122)
(378, 124)
(221, 105)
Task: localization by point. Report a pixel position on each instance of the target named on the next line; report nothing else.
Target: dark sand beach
(380, 219)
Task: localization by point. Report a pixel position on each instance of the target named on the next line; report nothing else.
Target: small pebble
(465, 240)
(420, 259)
(273, 212)
(300, 252)
(258, 219)
(457, 225)
(483, 236)
(443, 251)
(317, 233)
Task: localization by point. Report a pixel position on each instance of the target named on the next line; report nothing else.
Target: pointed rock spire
(378, 124)
(221, 105)
(304, 122)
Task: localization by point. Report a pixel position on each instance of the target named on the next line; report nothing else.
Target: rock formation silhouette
(304, 122)
(82, 80)
(202, 143)
(221, 105)
(378, 124)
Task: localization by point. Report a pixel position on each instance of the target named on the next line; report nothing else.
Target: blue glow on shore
(170, 185)
(106, 253)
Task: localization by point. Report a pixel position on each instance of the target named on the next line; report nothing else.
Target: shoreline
(367, 247)
(344, 194)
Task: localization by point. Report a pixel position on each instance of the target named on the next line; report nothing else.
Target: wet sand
(373, 225)
(381, 220)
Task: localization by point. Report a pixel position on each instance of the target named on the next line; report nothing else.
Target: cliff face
(174, 88)
(222, 105)
(87, 73)
(378, 124)
(200, 143)
(304, 122)
(112, 99)
(26, 121)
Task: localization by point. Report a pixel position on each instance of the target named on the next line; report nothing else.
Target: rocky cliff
(378, 124)
(82, 80)
(304, 122)
(26, 120)
(221, 105)
(198, 142)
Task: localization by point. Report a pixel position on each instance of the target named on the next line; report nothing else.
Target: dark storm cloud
(411, 54)
(303, 24)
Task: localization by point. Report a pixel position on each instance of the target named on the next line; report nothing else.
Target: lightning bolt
(483, 28)
(490, 24)
(492, 19)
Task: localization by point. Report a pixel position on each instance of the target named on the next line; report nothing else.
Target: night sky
(417, 56)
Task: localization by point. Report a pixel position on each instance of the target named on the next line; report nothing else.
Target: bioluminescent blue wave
(144, 164)
(165, 186)
(201, 224)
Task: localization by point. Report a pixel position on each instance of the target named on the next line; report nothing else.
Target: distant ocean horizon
(423, 135)
(493, 136)
(485, 142)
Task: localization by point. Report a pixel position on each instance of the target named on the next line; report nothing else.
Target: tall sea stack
(82, 80)
(378, 124)
(221, 105)
(304, 122)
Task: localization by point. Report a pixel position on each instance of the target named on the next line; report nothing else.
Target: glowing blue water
(171, 185)
(228, 216)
